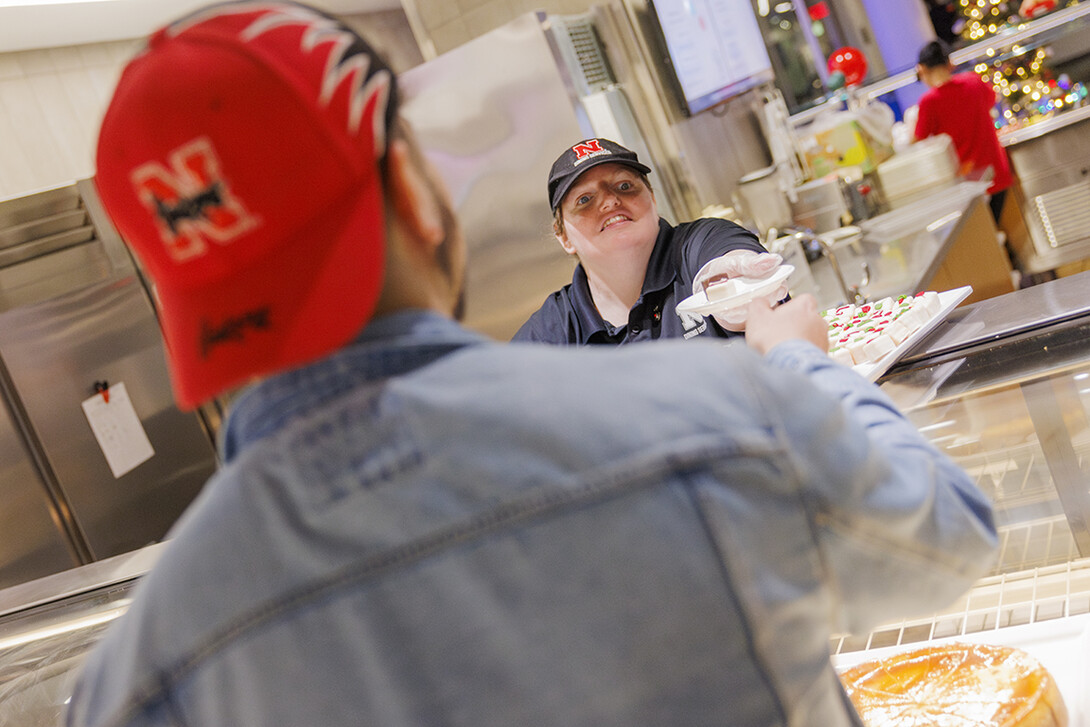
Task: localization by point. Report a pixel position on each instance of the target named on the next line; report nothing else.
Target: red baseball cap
(239, 159)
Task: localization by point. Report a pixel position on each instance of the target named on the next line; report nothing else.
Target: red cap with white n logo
(239, 158)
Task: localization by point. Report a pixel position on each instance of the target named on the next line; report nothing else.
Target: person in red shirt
(960, 105)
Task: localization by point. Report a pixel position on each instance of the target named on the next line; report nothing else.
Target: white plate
(751, 289)
(949, 300)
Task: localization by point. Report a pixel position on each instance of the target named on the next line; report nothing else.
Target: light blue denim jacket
(432, 529)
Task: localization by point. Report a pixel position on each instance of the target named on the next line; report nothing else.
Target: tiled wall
(388, 31)
(52, 101)
(450, 23)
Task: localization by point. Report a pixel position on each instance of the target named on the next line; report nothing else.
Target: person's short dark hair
(934, 55)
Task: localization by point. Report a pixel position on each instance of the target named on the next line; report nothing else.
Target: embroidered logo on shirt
(694, 325)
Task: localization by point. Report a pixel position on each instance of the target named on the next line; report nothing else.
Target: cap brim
(333, 265)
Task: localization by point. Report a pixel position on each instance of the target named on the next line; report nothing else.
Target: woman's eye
(582, 200)
(624, 186)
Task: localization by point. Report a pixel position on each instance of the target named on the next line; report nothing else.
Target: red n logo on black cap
(191, 201)
(586, 148)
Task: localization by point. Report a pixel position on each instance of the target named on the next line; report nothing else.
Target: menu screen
(715, 47)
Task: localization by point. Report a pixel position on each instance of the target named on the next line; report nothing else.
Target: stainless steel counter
(1004, 384)
(1005, 316)
(67, 584)
(1003, 388)
(903, 249)
(1052, 162)
(1011, 137)
(48, 626)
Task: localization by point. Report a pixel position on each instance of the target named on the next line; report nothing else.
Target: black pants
(996, 203)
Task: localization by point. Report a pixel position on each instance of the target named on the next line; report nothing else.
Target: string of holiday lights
(1027, 89)
(1025, 85)
(983, 17)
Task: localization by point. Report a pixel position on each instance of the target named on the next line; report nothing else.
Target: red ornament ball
(1033, 8)
(851, 62)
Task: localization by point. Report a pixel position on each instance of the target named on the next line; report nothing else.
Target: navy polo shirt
(569, 316)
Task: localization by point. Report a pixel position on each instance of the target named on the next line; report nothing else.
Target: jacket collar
(388, 346)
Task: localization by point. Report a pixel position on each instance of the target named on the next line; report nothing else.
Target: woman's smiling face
(609, 212)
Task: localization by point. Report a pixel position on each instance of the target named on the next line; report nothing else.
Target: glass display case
(1010, 402)
(47, 626)
(1003, 387)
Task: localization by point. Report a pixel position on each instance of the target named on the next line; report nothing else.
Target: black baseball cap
(581, 157)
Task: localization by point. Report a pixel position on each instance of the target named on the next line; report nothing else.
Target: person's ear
(562, 237)
(413, 201)
(560, 232)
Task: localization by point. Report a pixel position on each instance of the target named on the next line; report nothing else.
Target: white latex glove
(738, 264)
(741, 264)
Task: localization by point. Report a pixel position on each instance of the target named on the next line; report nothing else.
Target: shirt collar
(388, 346)
(662, 267)
(661, 273)
(591, 321)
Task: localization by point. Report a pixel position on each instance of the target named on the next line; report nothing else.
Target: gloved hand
(741, 264)
(738, 264)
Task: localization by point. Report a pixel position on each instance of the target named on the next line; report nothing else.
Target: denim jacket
(432, 529)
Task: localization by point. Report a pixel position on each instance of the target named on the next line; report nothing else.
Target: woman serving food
(634, 267)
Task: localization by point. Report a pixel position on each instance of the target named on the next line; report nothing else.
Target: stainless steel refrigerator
(492, 116)
(77, 324)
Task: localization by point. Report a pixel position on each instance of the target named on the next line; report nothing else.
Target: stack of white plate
(926, 166)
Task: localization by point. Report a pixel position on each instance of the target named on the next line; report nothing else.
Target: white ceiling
(27, 26)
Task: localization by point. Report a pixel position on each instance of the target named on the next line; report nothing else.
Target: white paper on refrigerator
(118, 430)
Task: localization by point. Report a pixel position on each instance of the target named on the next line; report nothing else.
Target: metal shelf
(1035, 544)
(995, 602)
